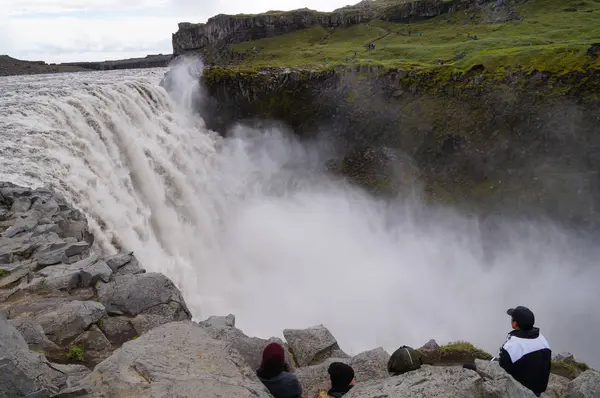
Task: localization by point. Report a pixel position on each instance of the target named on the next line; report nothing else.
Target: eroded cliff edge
(520, 139)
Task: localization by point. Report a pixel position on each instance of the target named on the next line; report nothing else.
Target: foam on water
(252, 225)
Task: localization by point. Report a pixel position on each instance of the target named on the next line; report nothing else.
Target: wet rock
(150, 293)
(34, 335)
(311, 346)
(430, 353)
(96, 346)
(176, 359)
(586, 385)
(70, 320)
(124, 264)
(118, 329)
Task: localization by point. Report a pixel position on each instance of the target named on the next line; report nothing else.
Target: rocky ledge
(74, 322)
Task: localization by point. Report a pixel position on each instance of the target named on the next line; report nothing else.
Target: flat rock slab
(311, 346)
(34, 335)
(178, 359)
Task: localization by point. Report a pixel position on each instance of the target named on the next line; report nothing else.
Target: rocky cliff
(149, 61)
(228, 29)
(518, 139)
(74, 322)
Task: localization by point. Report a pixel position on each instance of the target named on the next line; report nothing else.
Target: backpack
(403, 360)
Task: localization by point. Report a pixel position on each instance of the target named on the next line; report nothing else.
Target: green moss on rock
(569, 368)
(462, 352)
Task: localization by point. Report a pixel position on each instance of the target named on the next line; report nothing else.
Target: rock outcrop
(61, 301)
(222, 30)
(78, 323)
(179, 359)
(149, 61)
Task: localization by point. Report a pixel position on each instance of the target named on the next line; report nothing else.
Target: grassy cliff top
(551, 35)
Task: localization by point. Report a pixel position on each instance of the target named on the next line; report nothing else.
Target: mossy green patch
(3, 273)
(548, 38)
(462, 350)
(76, 353)
(569, 369)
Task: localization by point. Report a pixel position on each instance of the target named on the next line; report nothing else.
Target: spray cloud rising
(251, 225)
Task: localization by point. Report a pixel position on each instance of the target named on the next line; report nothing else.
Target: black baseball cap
(523, 316)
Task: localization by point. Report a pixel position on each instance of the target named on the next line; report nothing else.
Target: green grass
(76, 353)
(548, 39)
(462, 349)
(3, 273)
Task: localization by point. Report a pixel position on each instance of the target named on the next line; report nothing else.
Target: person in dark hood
(526, 354)
(342, 379)
(275, 374)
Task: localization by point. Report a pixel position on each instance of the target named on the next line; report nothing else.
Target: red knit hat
(273, 352)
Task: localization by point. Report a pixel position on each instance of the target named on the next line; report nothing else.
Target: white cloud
(95, 30)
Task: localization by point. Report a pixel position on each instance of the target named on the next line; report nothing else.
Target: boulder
(448, 382)
(368, 365)
(178, 359)
(498, 383)
(95, 346)
(313, 345)
(557, 387)
(70, 320)
(34, 335)
(149, 293)
(84, 273)
(219, 321)
(118, 329)
(315, 378)
(124, 264)
(23, 372)
(430, 353)
(250, 348)
(586, 385)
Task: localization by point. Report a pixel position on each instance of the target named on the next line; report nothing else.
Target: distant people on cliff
(342, 380)
(275, 374)
(526, 354)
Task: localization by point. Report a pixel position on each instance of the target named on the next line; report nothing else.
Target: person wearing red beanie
(275, 375)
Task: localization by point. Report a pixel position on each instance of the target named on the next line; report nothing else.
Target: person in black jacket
(275, 374)
(526, 355)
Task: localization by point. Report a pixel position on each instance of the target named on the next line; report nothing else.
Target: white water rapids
(251, 225)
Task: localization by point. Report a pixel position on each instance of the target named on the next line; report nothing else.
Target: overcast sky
(96, 30)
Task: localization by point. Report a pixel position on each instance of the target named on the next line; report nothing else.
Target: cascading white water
(252, 225)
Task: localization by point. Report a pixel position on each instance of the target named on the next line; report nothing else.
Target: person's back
(274, 373)
(526, 355)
